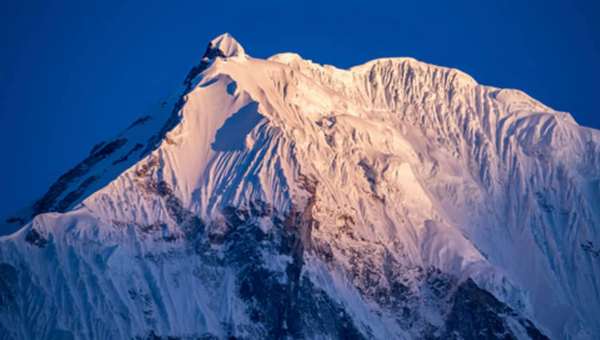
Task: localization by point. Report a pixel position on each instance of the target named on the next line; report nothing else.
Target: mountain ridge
(436, 173)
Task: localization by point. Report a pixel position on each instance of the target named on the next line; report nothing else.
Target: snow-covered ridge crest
(282, 198)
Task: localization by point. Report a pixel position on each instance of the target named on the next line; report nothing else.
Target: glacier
(280, 198)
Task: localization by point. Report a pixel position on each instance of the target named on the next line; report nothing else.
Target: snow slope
(282, 198)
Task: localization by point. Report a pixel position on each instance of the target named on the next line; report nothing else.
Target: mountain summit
(227, 46)
(280, 198)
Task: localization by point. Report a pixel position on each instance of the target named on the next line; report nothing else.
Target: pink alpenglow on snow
(281, 198)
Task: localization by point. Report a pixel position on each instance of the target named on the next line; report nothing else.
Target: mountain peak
(224, 46)
(384, 202)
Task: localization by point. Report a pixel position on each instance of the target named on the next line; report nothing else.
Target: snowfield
(281, 198)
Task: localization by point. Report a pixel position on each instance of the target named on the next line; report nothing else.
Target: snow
(413, 163)
(228, 45)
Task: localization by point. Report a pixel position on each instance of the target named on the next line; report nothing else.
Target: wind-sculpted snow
(280, 198)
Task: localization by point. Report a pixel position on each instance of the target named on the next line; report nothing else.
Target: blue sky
(73, 73)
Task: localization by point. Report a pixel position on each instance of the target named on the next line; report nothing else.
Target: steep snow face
(281, 198)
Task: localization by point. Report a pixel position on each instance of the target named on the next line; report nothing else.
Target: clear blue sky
(73, 73)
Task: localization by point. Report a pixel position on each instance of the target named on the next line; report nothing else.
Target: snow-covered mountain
(281, 198)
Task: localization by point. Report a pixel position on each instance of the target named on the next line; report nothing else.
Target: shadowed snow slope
(280, 198)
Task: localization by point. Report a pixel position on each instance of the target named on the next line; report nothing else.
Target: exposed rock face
(278, 199)
(477, 314)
